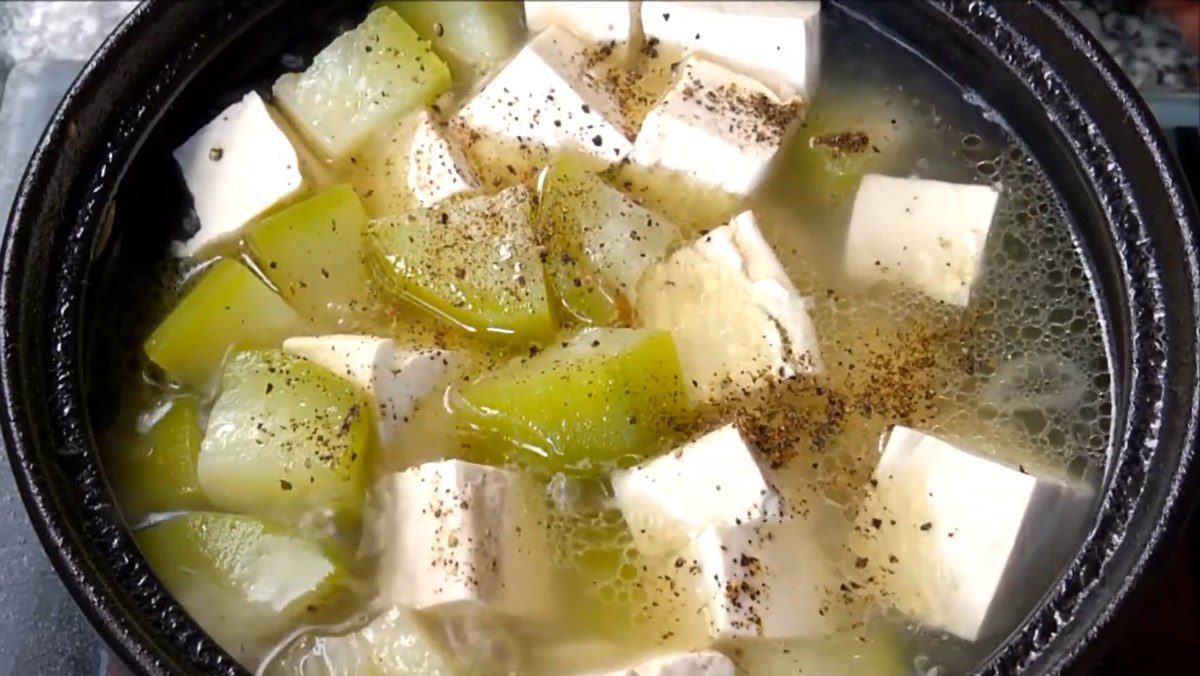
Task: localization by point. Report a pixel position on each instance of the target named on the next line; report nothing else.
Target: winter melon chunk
(608, 395)
(474, 262)
(155, 471)
(395, 642)
(598, 241)
(244, 580)
(367, 77)
(287, 439)
(227, 308)
(313, 253)
(473, 38)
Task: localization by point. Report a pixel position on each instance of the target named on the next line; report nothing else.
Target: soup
(590, 338)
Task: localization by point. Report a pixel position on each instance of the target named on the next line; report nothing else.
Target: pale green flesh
(365, 79)
(156, 471)
(472, 261)
(607, 395)
(474, 39)
(599, 242)
(245, 580)
(227, 308)
(312, 252)
(396, 642)
(286, 439)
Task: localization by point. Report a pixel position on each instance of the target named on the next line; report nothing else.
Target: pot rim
(1110, 133)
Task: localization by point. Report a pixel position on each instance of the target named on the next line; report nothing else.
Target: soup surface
(589, 338)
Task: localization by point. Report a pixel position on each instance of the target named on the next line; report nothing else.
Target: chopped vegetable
(473, 262)
(286, 439)
(606, 395)
(366, 78)
(844, 136)
(598, 242)
(396, 642)
(228, 308)
(156, 472)
(243, 579)
(313, 253)
(473, 38)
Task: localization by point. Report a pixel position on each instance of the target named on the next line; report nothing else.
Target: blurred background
(44, 44)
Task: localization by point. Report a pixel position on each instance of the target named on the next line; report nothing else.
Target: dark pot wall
(1052, 86)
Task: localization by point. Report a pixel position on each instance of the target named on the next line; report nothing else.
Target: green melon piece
(366, 78)
(312, 252)
(156, 471)
(598, 242)
(287, 439)
(246, 581)
(396, 642)
(474, 38)
(473, 261)
(608, 395)
(228, 308)
(843, 137)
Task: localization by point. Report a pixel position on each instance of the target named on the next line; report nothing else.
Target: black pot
(171, 65)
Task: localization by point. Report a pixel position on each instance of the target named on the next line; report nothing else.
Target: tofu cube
(926, 235)
(954, 540)
(698, 663)
(236, 167)
(777, 43)
(464, 537)
(545, 100)
(715, 127)
(435, 168)
(395, 378)
(601, 21)
(714, 480)
(764, 580)
(737, 320)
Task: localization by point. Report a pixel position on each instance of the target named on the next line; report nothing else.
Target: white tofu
(395, 378)
(949, 535)
(237, 166)
(714, 480)
(737, 320)
(460, 536)
(601, 21)
(777, 43)
(715, 127)
(435, 168)
(926, 235)
(764, 581)
(698, 663)
(545, 100)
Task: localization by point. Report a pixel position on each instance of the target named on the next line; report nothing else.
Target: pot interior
(1054, 296)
